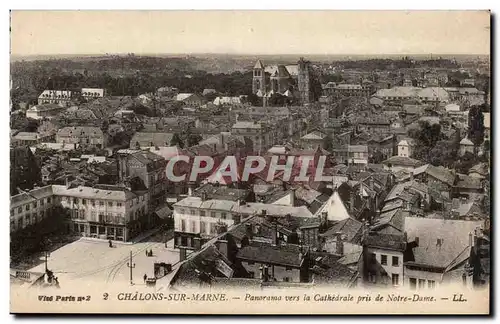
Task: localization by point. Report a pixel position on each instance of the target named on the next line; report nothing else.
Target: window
(118, 204)
(203, 227)
(288, 268)
(34, 204)
(93, 216)
(413, 283)
(223, 215)
(193, 212)
(286, 279)
(372, 277)
(27, 207)
(75, 200)
(202, 213)
(213, 214)
(12, 212)
(110, 204)
(431, 284)
(395, 261)
(183, 225)
(92, 202)
(193, 226)
(19, 210)
(101, 203)
(421, 283)
(383, 259)
(395, 279)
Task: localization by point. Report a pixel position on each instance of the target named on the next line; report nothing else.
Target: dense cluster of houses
(378, 216)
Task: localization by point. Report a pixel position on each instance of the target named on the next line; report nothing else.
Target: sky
(250, 32)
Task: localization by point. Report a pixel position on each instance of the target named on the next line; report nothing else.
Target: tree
(176, 141)
(466, 162)
(328, 143)
(487, 196)
(476, 125)
(194, 139)
(444, 153)
(427, 136)
(376, 157)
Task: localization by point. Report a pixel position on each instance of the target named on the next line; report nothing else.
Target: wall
(193, 223)
(389, 267)
(280, 272)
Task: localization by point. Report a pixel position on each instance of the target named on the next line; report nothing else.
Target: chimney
(371, 182)
(339, 250)
(351, 203)
(182, 254)
(222, 246)
(221, 228)
(197, 243)
(274, 234)
(411, 176)
(248, 230)
(323, 218)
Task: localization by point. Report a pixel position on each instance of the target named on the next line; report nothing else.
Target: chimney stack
(182, 254)
(197, 243)
(275, 234)
(222, 246)
(351, 203)
(249, 230)
(340, 245)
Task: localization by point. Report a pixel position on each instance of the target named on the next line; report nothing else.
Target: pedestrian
(145, 277)
(147, 253)
(151, 252)
(110, 244)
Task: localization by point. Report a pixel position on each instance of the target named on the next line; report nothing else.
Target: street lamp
(131, 266)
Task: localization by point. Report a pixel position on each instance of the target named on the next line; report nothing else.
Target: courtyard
(95, 261)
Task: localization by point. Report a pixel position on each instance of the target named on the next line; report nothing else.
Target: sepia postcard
(250, 162)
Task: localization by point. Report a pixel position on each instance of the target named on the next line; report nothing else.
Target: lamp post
(131, 266)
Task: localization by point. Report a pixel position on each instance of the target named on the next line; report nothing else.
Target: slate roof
(336, 275)
(467, 182)
(454, 236)
(147, 139)
(221, 192)
(403, 161)
(386, 241)
(204, 261)
(350, 227)
(284, 255)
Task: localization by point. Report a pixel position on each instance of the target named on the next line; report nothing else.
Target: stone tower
(259, 78)
(304, 81)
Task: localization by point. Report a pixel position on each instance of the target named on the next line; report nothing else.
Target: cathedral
(292, 81)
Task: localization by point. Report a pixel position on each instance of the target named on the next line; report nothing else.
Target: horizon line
(249, 54)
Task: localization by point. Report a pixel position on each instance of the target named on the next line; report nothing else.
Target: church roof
(281, 72)
(258, 65)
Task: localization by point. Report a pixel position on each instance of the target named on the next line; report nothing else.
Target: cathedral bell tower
(259, 79)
